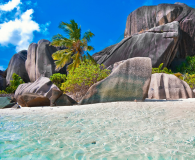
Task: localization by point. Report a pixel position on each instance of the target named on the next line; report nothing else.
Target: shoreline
(171, 106)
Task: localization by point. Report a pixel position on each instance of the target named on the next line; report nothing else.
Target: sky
(23, 22)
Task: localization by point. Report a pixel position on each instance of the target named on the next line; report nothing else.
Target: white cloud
(10, 5)
(19, 32)
(17, 25)
(44, 28)
(2, 68)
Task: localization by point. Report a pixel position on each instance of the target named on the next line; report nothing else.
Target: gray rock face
(147, 17)
(30, 63)
(39, 60)
(6, 102)
(44, 62)
(42, 86)
(129, 81)
(17, 65)
(167, 86)
(2, 83)
(158, 43)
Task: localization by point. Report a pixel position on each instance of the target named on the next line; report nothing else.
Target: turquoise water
(97, 133)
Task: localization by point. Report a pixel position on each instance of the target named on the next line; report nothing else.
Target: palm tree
(75, 46)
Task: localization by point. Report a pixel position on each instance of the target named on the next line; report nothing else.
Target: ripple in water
(106, 133)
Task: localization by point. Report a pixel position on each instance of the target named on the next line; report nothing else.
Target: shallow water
(98, 133)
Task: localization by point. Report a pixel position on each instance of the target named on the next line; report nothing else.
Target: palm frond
(90, 48)
(62, 57)
(76, 62)
(88, 35)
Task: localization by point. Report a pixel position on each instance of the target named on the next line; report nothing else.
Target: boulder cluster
(153, 35)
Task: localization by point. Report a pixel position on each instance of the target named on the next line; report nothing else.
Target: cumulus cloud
(19, 32)
(17, 27)
(10, 5)
(44, 28)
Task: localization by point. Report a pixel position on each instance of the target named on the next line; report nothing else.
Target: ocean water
(102, 133)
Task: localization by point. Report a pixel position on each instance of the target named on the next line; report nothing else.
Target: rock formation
(147, 17)
(32, 100)
(2, 83)
(7, 102)
(158, 43)
(128, 82)
(168, 86)
(42, 86)
(17, 65)
(151, 31)
(60, 99)
(39, 60)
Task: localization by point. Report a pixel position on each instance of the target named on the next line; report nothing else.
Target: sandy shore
(172, 107)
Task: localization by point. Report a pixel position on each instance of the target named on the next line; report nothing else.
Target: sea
(112, 131)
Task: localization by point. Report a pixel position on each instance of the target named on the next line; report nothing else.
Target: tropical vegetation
(17, 80)
(83, 77)
(75, 46)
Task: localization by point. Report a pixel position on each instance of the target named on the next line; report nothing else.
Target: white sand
(176, 107)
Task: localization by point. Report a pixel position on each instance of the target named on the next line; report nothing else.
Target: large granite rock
(40, 62)
(32, 100)
(158, 43)
(147, 17)
(168, 86)
(42, 86)
(128, 82)
(17, 65)
(7, 102)
(3, 74)
(60, 99)
(2, 83)
(30, 63)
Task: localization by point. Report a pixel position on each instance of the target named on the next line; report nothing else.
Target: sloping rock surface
(2, 83)
(6, 102)
(17, 65)
(42, 86)
(39, 60)
(167, 86)
(147, 17)
(159, 44)
(129, 81)
(32, 100)
(60, 99)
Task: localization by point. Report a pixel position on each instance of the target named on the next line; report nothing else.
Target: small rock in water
(94, 142)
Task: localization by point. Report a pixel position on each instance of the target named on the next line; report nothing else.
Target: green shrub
(160, 70)
(189, 79)
(188, 67)
(84, 76)
(58, 79)
(17, 80)
(3, 92)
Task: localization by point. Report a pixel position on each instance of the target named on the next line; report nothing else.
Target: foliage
(189, 79)
(58, 79)
(84, 76)
(188, 67)
(74, 44)
(3, 92)
(17, 80)
(160, 70)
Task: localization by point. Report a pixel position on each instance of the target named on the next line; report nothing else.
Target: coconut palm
(74, 45)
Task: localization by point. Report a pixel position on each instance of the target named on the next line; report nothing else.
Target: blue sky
(25, 21)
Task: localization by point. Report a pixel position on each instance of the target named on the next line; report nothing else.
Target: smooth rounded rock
(128, 82)
(168, 86)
